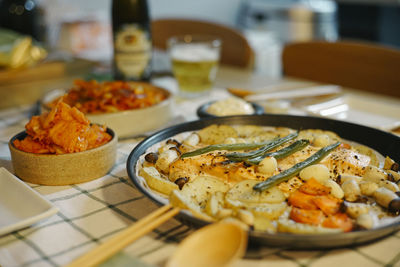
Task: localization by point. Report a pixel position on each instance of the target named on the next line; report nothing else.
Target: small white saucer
(20, 205)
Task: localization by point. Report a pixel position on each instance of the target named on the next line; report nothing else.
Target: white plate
(20, 205)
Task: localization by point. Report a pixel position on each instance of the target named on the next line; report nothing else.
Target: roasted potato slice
(368, 152)
(156, 182)
(202, 187)
(249, 130)
(214, 203)
(264, 224)
(216, 134)
(270, 211)
(177, 199)
(243, 194)
(313, 134)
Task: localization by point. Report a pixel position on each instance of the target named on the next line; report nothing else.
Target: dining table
(91, 213)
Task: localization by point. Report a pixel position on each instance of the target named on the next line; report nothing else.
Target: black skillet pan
(383, 142)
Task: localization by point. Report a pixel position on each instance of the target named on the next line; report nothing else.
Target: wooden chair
(355, 65)
(236, 50)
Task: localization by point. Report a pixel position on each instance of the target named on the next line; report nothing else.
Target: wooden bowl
(64, 169)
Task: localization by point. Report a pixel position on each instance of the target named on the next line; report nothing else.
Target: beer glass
(194, 61)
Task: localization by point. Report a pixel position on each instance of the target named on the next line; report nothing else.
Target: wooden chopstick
(125, 237)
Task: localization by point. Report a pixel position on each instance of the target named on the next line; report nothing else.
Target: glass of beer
(194, 60)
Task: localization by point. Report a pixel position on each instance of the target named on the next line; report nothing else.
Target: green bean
(230, 147)
(289, 173)
(259, 152)
(282, 153)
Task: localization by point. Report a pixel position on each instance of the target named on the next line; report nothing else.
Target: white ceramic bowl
(129, 122)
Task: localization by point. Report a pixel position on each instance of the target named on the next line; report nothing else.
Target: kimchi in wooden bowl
(129, 108)
(63, 169)
(62, 147)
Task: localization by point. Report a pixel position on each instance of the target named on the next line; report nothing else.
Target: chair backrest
(355, 65)
(236, 50)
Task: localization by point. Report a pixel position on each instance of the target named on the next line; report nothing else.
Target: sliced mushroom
(390, 185)
(165, 159)
(394, 206)
(192, 140)
(391, 165)
(164, 148)
(173, 142)
(176, 149)
(384, 196)
(181, 182)
(151, 157)
(393, 176)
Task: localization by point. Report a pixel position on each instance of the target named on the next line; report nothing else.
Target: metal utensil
(287, 94)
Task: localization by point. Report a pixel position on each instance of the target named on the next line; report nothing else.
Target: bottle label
(132, 51)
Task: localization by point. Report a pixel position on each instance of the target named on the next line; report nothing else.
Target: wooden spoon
(214, 245)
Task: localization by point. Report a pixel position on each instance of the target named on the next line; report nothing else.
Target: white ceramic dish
(130, 122)
(20, 205)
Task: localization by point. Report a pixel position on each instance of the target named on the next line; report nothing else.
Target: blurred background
(82, 28)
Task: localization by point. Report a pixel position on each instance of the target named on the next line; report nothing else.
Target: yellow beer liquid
(194, 76)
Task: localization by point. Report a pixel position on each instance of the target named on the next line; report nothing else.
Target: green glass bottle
(132, 40)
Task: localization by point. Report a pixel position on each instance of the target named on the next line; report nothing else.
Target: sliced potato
(249, 130)
(235, 204)
(216, 134)
(264, 224)
(311, 134)
(245, 216)
(202, 187)
(290, 186)
(224, 213)
(270, 211)
(156, 182)
(322, 140)
(243, 192)
(177, 199)
(368, 152)
(165, 159)
(214, 203)
(289, 226)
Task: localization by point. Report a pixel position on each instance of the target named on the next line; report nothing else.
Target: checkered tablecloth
(92, 212)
